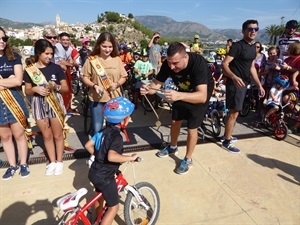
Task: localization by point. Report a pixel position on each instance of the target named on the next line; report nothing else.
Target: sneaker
(184, 166)
(232, 139)
(230, 147)
(266, 121)
(58, 168)
(24, 171)
(50, 168)
(166, 151)
(10, 172)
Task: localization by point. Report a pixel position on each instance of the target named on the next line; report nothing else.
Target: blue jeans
(96, 109)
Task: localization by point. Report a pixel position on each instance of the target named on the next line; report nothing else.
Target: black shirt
(243, 54)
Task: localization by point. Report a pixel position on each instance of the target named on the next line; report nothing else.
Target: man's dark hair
(247, 22)
(64, 34)
(176, 47)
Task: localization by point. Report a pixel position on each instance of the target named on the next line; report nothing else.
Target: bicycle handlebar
(138, 159)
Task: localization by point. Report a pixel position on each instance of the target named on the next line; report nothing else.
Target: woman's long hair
(8, 50)
(105, 36)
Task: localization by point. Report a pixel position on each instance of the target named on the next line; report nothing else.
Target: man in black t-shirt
(238, 65)
(190, 73)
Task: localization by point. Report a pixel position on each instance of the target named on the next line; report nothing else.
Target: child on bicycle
(281, 83)
(107, 148)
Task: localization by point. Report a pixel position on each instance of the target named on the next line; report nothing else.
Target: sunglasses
(4, 38)
(257, 46)
(50, 37)
(292, 28)
(252, 29)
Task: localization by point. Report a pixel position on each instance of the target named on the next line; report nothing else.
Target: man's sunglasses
(5, 38)
(50, 37)
(252, 29)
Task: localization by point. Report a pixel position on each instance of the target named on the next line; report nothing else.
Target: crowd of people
(47, 77)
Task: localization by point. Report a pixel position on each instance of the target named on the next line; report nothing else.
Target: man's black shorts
(192, 113)
(235, 96)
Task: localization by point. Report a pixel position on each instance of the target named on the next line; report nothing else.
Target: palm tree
(273, 32)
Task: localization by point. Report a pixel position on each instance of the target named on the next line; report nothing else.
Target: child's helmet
(282, 80)
(123, 46)
(117, 109)
(144, 52)
(84, 40)
(221, 51)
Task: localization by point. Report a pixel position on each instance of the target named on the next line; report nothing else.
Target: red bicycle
(142, 204)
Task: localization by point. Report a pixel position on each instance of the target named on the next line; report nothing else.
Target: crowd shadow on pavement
(10, 213)
(274, 163)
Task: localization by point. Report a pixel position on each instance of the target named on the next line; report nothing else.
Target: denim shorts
(6, 117)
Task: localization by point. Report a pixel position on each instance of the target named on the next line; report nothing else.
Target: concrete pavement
(258, 186)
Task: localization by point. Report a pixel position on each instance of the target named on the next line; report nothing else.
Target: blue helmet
(282, 80)
(117, 109)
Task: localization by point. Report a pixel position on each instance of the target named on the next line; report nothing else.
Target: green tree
(113, 17)
(272, 32)
(87, 29)
(110, 28)
(130, 16)
(102, 29)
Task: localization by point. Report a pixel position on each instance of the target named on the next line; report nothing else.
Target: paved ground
(258, 186)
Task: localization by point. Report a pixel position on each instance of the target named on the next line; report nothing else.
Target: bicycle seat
(70, 201)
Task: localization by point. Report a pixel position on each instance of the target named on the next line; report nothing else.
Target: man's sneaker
(58, 168)
(24, 171)
(184, 166)
(166, 151)
(10, 172)
(230, 147)
(232, 139)
(50, 169)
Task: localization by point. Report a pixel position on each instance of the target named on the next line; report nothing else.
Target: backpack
(103, 143)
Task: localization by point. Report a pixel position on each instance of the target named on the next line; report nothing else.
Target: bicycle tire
(135, 213)
(153, 101)
(246, 108)
(215, 122)
(280, 131)
(87, 121)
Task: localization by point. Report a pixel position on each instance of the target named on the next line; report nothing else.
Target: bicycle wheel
(246, 108)
(87, 121)
(280, 131)
(215, 122)
(135, 213)
(152, 99)
(75, 87)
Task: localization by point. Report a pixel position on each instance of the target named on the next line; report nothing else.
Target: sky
(214, 14)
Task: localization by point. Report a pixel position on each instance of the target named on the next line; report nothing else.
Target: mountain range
(167, 26)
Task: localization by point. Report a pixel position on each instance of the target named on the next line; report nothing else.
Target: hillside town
(36, 32)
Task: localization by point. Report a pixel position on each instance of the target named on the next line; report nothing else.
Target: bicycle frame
(79, 212)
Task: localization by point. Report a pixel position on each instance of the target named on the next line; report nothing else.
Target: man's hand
(238, 81)
(172, 95)
(144, 89)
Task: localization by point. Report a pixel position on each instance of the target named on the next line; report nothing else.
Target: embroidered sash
(39, 79)
(105, 81)
(14, 107)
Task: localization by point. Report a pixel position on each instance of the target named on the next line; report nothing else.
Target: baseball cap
(49, 32)
(196, 36)
(85, 40)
